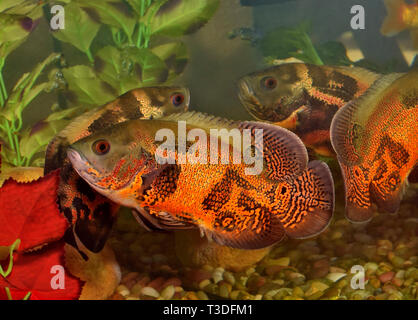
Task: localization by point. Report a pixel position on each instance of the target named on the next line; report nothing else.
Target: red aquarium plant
(31, 245)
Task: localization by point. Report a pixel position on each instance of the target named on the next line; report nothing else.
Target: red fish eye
(177, 99)
(269, 83)
(101, 147)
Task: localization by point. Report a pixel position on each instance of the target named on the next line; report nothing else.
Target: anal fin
(158, 220)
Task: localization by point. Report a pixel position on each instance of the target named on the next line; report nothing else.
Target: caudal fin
(394, 22)
(311, 202)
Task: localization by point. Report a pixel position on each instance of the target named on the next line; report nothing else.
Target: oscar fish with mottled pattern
(91, 215)
(289, 197)
(303, 98)
(375, 138)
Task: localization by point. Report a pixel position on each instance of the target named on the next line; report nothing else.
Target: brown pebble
(157, 283)
(143, 281)
(129, 277)
(397, 282)
(198, 275)
(255, 282)
(176, 282)
(320, 268)
(117, 296)
(272, 270)
(387, 276)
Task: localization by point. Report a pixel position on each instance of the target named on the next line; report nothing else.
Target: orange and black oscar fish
(91, 215)
(303, 98)
(288, 197)
(375, 138)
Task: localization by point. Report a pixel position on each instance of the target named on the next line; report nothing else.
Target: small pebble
(168, 292)
(204, 283)
(217, 275)
(150, 292)
(335, 276)
(123, 290)
(202, 295)
(387, 276)
(228, 276)
(224, 290)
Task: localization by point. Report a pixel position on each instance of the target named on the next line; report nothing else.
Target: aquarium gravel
(317, 268)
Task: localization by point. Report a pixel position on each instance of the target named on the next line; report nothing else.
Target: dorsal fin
(202, 120)
(348, 125)
(56, 150)
(362, 74)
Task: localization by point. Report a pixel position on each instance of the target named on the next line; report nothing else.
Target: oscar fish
(375, 138)
(289, 197)
(90, 214)
(303, 98)
(401, 16)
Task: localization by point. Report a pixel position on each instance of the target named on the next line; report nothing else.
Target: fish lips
(248, 99)
(81, 165)
(280, 112)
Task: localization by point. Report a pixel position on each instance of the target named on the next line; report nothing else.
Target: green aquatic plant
(5, 273)
(295, 42)
(20, 145)
(284, 43)
(127, 44)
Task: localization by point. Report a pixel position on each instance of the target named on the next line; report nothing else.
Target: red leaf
(32, 272)
(29, 212)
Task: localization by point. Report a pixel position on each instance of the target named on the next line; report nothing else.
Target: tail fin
(311, 205)
(393, 23)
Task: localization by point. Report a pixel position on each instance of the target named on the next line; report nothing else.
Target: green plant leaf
(111, 12)
(14, 29)
(24, 91)
(34, 140)
(32, 9)
(333, 53)
(80, 29)
(174, 55)
(7, 4)
(129, 68)
(179, 17)
(283, 43)
(148, 66)
(136, 5)
(83, 82)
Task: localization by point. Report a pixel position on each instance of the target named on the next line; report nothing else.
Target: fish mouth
(249, 99)
(81, 165)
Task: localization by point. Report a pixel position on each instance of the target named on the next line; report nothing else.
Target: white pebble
(168, 292)
(335, 276)
(218, 274)
(123, 290)
(151, 292)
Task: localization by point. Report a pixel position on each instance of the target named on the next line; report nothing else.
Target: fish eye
(177, 99)
(101, 147)
(269, 83)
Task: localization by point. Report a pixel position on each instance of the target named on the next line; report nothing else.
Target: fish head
(113, 163)
(156, 102)
(274, 94)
